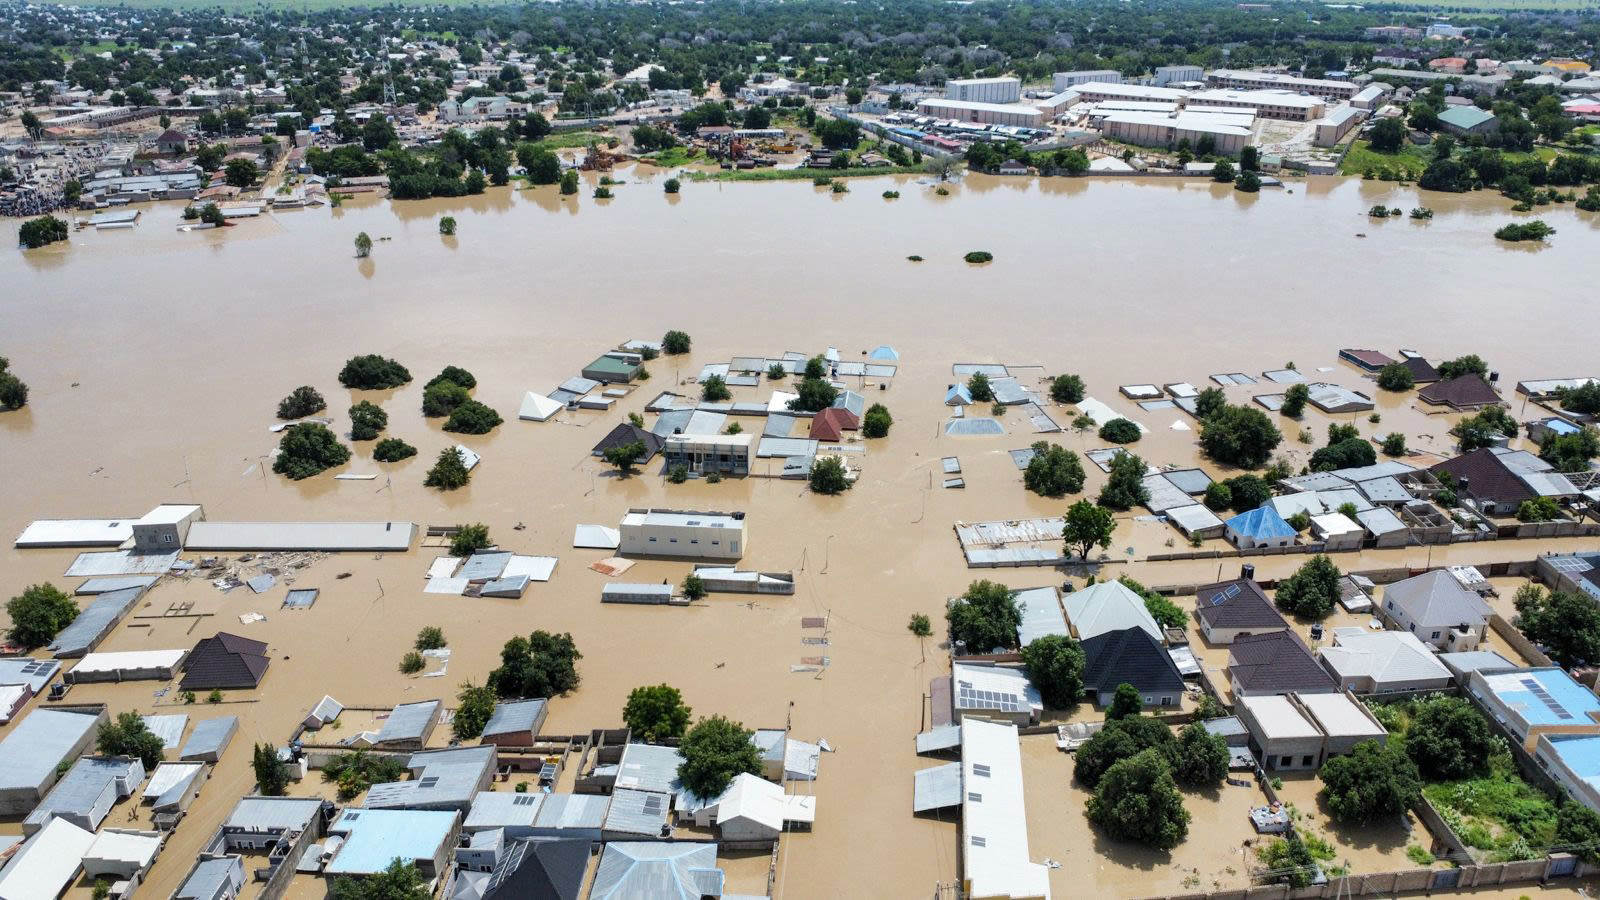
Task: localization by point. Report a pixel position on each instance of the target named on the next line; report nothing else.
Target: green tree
(1291, 856)
(1248, 492)
(1312, 590)
(1209, 403)
(541, 164)
(978, 387)
(211, 214)
(675, 343)
(13, 392)
(366, 420)
(307, 449)
(985, 618)
(447, 226)
(1388, 136)
(442, 398)
(36, 233)
(373, 373)
(715, 751)
(1055, 666)
(1239, 436)
(1120, 739)
(1208, 708)
(1374, 782)
(1449, 740)
(1294, 401)
(656, 713)
(1119, 431)
(1201, 758)
(1571, 452)
(1396, 376)
(715, 390)
(1125, 703)
(1125, 486)
(272, 775)
(1066, 389)
(1471, 364)
(1485, 429)
(828, 476)
(920, 625)
(814, 395)
(411, 663)
(671, 185)
(1088, 525)
(1222, 172)
(1578, 827)
(469, 540)
(1584, 399)
(38, 614)
(1218, 496)
(876, 422)
(1054, 471)
(448, 472)
(363, 246)
(477, 707)
(32, 125)
(128, 735)
(431, 637)
(1539, 509)
(393, 450)
(569, 183)
(1138, 800)
(241, 173)
(301, 402)
(400, 881)
(472, 417)
(694, 587)
(1349, 453)
(1394, 444)
(623, 456)
(540, 665)
(1249, 159)
(1566, 624)
(1166, 613)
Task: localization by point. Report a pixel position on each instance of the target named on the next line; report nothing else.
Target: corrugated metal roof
(515, 716)
(661, 871)
(500, 809)
(637, 812)
(408, 722)
(210, 737)
(256, 813)
(30, 753)
(938, 787)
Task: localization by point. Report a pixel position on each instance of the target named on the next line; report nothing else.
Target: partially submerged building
(996, 693)
(408, 726)
(515, 723)
(440, 780)
(95, 622)
(84, 796)
(683, 533)
(1130, 656)
(225, 662)
(1382, 662)
(994, 826)
(1296, 731)
(1275, 662)
(1229, 610)
(373, 838)
(1438, 610)
(1535, 701)
(1105, 607)
(45, 865)
(31, 754)
(725, 454)
(675, 870)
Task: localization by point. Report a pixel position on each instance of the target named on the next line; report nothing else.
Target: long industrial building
(1267, 104)
(1063, 80)
(1097, 91)
(984, 90)
(1335, 125)
(983, 113)
(1229, 132)
(1238, 79)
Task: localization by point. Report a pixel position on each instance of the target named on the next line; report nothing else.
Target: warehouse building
(1099, 91)
(984, 90)
(1166, 75)
(1230, 133)
(983, 113)
(1266, 104)
(31, 754)
(683, 533)
(1271, 81)
(1332, 127)
(1063, 80)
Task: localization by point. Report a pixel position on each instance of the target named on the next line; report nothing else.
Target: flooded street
(156, 360)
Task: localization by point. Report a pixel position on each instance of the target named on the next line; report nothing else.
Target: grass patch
(1408, 162)
(673, 157)
(568, 139)
(803, 174)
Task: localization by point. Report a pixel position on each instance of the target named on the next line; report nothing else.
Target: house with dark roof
(225, 661)
(174, 142)
(627, 433)
(1277, 662)
(1483, 477)
(1462, 392)
(552, 869)
(1229, 610)
(1130, 656)
(1371, 360)
(1422, 371)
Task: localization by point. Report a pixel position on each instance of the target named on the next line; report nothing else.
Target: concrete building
(1332, 127)
(994, 825)
(85, 795)
(257, 823)
(120, 854)
(727, 454)
(1229, 610)
(1336, 531)
(982, 113)
(670, 869)
(1166, 75)
(613, 368)
(995, 693)
(1366, 662)
(1131, 656)
(1061, 81)
(165, 528)
(753, 812)
(213, 878)
(1100, 91)
(683, 533)
(46, 864)
(1266, 104)
(1239, 79)
(375, 837)
(1573, 760)
(1275, 662)
(1293, 731)
(409, 725)
(1258, 528)
(127, 665)
(1534, 702)
(1466, 121)
(1105, 607)
(440, 780)
(1438, 610)
(1372, 96)
(984, 90)
(514, 723)
(36, 747)
(1229, 133)
(482, 109)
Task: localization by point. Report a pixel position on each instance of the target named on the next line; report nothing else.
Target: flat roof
(327, 536)
(675, 518)
(75, 533)
(1341, 716)
(45, 864)
(408, 721)
(1278, 718)
(257, 813)
(375, 837)
(130, 659)
(1256, 98)
(30, 753)
(994, 822)
(975, 106)
(1544, 696)
(501, 809)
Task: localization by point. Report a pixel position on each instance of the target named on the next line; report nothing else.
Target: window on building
(1286, 761)
(1436, 635)
(1307, 760)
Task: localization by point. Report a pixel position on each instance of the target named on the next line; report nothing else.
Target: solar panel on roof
(1538, 691)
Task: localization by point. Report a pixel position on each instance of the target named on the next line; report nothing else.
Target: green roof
(1465, 117)
(612, 365)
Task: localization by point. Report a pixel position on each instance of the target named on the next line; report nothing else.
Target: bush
(1248, 492)
(448, 472)
(839, 187)
(656, 713)
(674, 343)
(1394, 444)
(1345, 454)
(671, 185)
(1201, 758)
(447, 226)
(1055, 666)
(1121, 739)
(472, 417)
(1449, 740)
(715, 390)
(1396, 376)
(1054, 471)
(13, 392)
(455, 375)
(1312, 590)
(1294, 401)
(984, 618)
(358, 770)
(474, 712)
(44, 230)
(301, 402)
(539, 665)
(677, 473)
(1539, 509)
(469, 540)
(38, 614)
(828, 476)
(308, 449)
(431, 637)
(891, 195)
(978, 257)
(1137, 800)
(602, 193)
(1239, 436)
(411, 663)
(442, 398)
(1535, 230)
(373, 373)
(877, 421)
(1066, 389)
(1218, 496)
(1247, 182)
(715, 751)
(366, 420)
(1373, 782)
(1119, 431)
(393, 450)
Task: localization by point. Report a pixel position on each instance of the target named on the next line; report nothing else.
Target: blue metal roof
(1261, 522)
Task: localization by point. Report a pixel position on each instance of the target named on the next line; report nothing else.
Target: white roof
(1257, 98)
(994, 817)
(46, 862)
(169, 514)
(167, 776)
(975, 106)
(993, 688)
(681, 519)
(1108, 606)
(1383, 656)
(1334, 524)
(1341, 716)
(1278, 718)
(331, 536)
(1131, 91)
(1214, 124)
(129, 659)
(122, 845)
(753, 798)
(537, 407)
(75, 533)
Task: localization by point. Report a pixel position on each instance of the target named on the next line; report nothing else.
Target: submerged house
(1259, 528)
(1229, 610)
(1130, 656)
(1438, 610)
(1277, 662)
(225, 661)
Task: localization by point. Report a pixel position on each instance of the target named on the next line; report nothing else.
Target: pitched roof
(831, 423)
(1277, 661)
(225, 661)
(1262, 523)
(1465, 117)
(1487, 475)
(171, 136)
(1463, 392)
(544, 868)
(1129, 656)
(1108, 606)
(626, 433)
(1239, 603)
(1422, 371)
(1437, 598)
(1384, 656)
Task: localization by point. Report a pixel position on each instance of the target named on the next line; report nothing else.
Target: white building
(1332, 127)
(1096, 91)
(994, 824)
(984, 90)
(983, 113)
(1166, 75)
(1382, 662)
(683, 533)
(1239, 79)
(1230, 134)
(753, 812)
(993, 692)
(1063, 80)
(482, 109)
(1266, 104)
(1372, 96)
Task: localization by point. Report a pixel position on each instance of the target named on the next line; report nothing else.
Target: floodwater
(156, 360)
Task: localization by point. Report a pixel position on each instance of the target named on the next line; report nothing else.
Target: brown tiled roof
(1422, 371)
(1239, 603)
(1464, 392)
(225, 661)
(1487, 476)
(1276, 663)
(830, 424)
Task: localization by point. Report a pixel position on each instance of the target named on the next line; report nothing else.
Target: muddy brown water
(156, 360)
